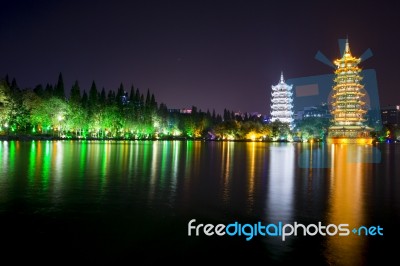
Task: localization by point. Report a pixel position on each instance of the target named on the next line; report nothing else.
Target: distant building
(124, 98)
(247, 115)
(391, 115)
(320, 111)
(180, 111)
(281, 102)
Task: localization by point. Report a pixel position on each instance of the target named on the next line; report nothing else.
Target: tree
(50, 114)
(59, 90)
(48, 91)
(147, 103)
(85, 100)
(4, 103)
(111, 98)
(29, 102)
(93, 95)
(75, 96)
(93, 103)
(103, 99)
(132, 94)
(77, 120)
(39, 90)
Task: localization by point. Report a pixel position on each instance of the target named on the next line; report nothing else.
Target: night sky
(210, 54)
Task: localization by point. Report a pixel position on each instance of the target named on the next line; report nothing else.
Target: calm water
(119, 202)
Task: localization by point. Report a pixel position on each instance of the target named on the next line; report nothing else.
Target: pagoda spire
(282, 79)
(347, 48)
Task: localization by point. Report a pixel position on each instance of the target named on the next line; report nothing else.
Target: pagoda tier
(281, 102)
(348, 105)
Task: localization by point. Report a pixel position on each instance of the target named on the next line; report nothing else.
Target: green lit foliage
(76, 119)
(50, 115)
(279, 130)
(227, 130)
(12, 111)
(29, 101)
(312, 128)
(254, 130)
(4, 103)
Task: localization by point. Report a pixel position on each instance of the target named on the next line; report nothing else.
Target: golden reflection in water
(346, 201)
(251, 151)
(227, 167)
(197, 148)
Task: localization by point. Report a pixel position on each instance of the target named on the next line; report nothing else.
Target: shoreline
(56, 138)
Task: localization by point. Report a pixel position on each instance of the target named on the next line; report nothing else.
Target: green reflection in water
(1, 150)
(12, 157)
(164, 160)
(146, 161)
(189, 156)
(82, 160)
(104, 154)
(32, 162)
(46, 165)
(4, 157)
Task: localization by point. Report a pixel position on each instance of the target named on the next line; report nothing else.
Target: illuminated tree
(49, 115)
(4, 104)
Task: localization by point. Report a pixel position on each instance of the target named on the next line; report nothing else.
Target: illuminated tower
(281, 102)
(348, 104)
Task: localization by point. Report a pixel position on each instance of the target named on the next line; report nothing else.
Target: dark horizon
(204, 54)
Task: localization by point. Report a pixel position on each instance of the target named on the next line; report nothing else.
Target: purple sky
(211, 54)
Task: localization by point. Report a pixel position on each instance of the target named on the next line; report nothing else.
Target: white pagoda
(281, 102)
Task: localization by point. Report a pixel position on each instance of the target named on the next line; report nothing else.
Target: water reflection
(226, 169)
(346, 201)
(251, 151)
(280, 186)
(145, 182)
(280, 196)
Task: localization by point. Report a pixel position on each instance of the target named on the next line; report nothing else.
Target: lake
(123, 201)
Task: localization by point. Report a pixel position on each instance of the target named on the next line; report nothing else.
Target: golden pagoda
(348, 104)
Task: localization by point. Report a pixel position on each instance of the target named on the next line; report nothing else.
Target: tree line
(47, 111)
(131, 114)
